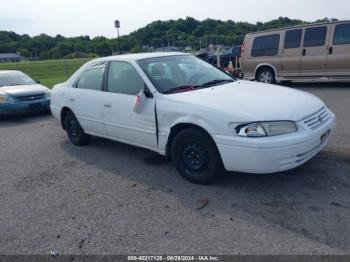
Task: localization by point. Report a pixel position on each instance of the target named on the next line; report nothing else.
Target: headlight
(6, 99)
(48, 94)
(262, 129)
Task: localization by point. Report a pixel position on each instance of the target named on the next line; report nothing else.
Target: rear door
(339, 51)
(85, 99)
(291, 53)
(314, 52)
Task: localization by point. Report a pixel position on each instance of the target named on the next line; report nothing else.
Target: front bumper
(34, 106)
(273, 154)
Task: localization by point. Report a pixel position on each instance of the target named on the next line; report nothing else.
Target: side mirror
(147, 92)
(38, 81)
(141, 99)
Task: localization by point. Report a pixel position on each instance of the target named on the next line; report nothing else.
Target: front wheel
(266, 75)
(74, 131)
(196, 156)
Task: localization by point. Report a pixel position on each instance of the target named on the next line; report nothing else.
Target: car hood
(251, 101)
(24, 90)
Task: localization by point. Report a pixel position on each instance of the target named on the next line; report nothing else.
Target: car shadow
(311, 201)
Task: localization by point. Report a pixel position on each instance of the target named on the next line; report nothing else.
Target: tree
(181, 32)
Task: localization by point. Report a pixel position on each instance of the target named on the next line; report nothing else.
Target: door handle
(304, 52)
(107, 105)
(72, 99)
(330, 50)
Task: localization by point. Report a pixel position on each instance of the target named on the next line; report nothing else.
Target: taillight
(242, 47)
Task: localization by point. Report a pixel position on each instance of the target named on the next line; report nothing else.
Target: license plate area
(35, 107)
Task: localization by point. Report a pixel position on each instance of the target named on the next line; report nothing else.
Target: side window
(342, 34)
(266, 45)
(91, 79)
(315, 36)
(123, 79)
(293, 38)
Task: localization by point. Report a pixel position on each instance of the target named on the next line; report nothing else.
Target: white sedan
(202, 119)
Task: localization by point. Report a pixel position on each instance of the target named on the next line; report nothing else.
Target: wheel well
(64, 111)
(176, 130)
(262, 67)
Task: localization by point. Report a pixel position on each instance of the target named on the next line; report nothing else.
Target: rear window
(342, 34)
(293, 38)
(315, 36)
(266, 45)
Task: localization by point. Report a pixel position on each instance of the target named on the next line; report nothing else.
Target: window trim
(278, 46)
(105, 82)
(325, 37)
(335, 28)
(300, 40)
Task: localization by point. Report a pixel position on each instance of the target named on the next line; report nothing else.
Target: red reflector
(243, 48)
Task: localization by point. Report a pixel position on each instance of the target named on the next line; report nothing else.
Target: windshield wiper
(180, 88)
(216, 82)
(192, 87)
(16, 85)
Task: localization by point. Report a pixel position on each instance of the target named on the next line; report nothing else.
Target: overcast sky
(94, 18)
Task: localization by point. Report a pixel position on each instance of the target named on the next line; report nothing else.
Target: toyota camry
(199, 117)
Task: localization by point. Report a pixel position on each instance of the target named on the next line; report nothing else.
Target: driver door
(122, 122)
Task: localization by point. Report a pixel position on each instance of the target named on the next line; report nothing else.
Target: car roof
(9, 71)
(125, 58)
(298, 26)
(140, 56)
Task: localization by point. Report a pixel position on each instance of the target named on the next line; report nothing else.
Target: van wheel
(266, 75)
(74, 131)
(196, 156)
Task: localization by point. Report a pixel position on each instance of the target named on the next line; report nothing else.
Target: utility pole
(167, 36)
(117, 25)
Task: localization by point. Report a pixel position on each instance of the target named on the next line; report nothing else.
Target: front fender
(170, 115)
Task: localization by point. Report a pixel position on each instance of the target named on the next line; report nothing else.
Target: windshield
(15, 78)
(173, 74)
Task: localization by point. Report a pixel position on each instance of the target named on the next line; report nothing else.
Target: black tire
(74, 131)
(196, 156)
(266, 75)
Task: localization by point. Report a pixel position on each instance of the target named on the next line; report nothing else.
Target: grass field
(49, 72)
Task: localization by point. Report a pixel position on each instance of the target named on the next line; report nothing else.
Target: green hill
(181, 33)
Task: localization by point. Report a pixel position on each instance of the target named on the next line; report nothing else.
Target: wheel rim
(266, 77)
(72, 127)
(195, 157)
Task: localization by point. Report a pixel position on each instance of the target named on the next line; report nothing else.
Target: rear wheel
(266, 75)
(74, 131)
(196, 156)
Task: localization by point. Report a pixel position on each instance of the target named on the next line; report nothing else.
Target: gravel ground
(111, 198)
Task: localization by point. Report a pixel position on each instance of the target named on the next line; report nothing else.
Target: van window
(342, 34)
(315, 36)
(293, 38)
(266, 45)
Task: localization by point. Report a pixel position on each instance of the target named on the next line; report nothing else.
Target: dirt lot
(110, 198)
